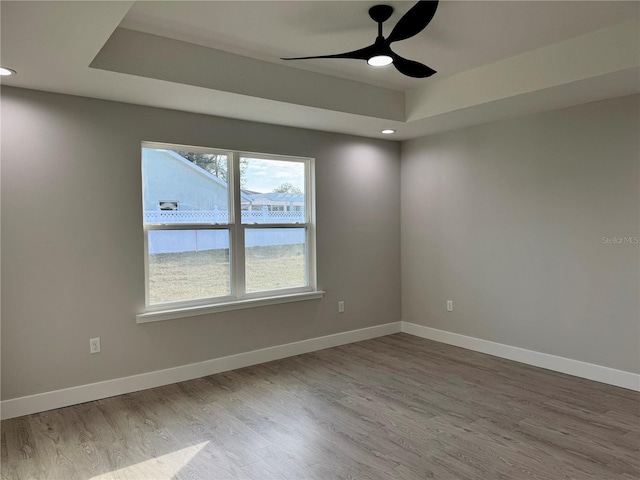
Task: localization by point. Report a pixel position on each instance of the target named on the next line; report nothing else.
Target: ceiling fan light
(5, 72)
(380, 61)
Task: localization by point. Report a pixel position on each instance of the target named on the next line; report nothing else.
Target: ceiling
(494, 59)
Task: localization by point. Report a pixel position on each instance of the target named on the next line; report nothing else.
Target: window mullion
(237, 255)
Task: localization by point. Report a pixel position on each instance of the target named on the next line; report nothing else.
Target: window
(225, 227)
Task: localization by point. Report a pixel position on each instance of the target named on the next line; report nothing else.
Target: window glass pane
(272, 191)
(275, 258)
(184, 187)
(188, 265)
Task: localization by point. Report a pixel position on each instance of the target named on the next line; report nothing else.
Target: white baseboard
(16, 407)
(610, 376)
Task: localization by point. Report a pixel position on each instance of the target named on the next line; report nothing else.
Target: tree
(287, 187)
(214, 164)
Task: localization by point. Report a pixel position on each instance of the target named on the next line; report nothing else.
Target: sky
(265, 175)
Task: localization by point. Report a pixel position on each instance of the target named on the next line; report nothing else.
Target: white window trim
(239, 299)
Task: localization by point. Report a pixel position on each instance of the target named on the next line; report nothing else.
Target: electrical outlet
(341, 306)
(94, 345)
(449, 305)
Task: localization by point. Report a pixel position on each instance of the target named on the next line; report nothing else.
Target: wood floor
(397, 407)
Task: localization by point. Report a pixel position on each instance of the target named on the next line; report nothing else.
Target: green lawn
(191, 275)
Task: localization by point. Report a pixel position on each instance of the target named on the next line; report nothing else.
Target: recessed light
(380, 61)
(388, 131)
(5, 72)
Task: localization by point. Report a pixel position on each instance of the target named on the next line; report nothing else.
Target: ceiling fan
(379, 53)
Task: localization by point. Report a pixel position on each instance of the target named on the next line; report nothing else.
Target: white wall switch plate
(341, 306)
(94, 345)
(449, 305)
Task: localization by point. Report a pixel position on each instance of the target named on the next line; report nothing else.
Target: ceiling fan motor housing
(380, 13)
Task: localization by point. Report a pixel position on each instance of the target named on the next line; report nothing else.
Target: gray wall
(72, 243)
(507, 219)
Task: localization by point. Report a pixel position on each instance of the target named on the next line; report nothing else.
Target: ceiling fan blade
(414, 21)
(361, 54)
(411, 68)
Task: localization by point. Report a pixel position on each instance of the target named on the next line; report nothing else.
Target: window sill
(225, 307)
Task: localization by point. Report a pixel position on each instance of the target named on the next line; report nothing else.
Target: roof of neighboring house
(274, 198)
(202, 171)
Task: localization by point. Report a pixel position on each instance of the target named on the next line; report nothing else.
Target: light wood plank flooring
(397, 407)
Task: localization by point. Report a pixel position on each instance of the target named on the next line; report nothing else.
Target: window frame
(238, 297)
